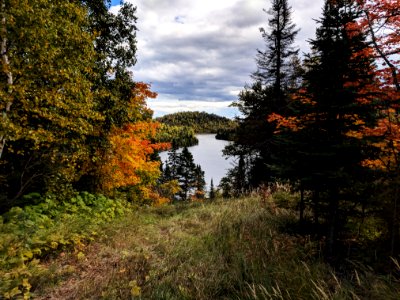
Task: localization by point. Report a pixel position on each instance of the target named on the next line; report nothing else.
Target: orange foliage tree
(381, 22)
(129, 162)
(129, 159)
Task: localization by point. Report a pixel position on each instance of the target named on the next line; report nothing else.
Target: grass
(222, 250)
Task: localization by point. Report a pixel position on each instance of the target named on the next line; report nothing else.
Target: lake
(208, 154)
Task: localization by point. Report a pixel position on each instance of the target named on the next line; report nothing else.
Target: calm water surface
(208, 154)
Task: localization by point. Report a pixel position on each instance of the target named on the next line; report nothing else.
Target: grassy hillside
(234, 249)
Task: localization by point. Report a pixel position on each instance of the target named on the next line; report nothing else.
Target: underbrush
(35, 233)
(228, 249)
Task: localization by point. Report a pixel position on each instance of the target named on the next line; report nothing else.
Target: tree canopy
(66, 97)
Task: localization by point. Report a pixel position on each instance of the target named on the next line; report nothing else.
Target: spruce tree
(181, 167)
(212, 190)
(275, 61)
(186, 173)
(273, 81)
(172, 163)
(324, 156)
(200, 183)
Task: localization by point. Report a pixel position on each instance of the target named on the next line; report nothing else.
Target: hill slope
(222, 250)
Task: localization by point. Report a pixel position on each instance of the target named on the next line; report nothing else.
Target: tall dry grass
(228, 249)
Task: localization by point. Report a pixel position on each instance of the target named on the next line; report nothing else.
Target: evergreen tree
(273, 81)
(212, 190)
(200, 183)
(226, 186)
(186, 173)
(239, 179)
(181, 167)
(275, 61)
(171, 165)
(323, 154)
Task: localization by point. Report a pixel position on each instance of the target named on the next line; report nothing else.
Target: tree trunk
(301, 208)
(333, 216)
(316, 207)
(278, 87)
(394, 238)
(7, 71)
(393, 69)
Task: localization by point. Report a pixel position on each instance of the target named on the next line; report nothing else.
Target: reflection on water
(208, 154)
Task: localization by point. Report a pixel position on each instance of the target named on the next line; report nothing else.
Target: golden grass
(222, 250)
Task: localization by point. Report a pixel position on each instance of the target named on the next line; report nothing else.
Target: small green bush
(31, 233)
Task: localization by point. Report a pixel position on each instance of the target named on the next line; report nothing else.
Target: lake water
(208, 154)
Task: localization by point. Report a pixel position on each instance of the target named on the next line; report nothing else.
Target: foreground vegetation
(236, 249)
(33, 233)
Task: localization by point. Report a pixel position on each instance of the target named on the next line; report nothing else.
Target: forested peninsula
(182, 126)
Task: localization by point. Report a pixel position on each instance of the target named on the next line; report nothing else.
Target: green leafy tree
(46, 93)
(65, 85)
(115, 47)
(200, 122)
(178, 136)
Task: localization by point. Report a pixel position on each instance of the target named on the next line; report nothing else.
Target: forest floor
(232, 249)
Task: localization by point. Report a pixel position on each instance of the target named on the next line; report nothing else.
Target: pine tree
(186, 173)
(212, 190)
(200, 183)
(324, 156)
(273, 81)
(226, 186)
(172, 163)
(275, 61)
(181, 167)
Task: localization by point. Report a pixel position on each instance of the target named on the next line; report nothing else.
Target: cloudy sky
(198, 54)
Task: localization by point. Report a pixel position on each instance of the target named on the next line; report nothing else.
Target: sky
(199, 54)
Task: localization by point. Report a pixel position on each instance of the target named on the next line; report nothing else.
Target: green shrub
(36, 231)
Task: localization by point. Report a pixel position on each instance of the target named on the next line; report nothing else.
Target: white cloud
(166, 106)
(205, 49)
